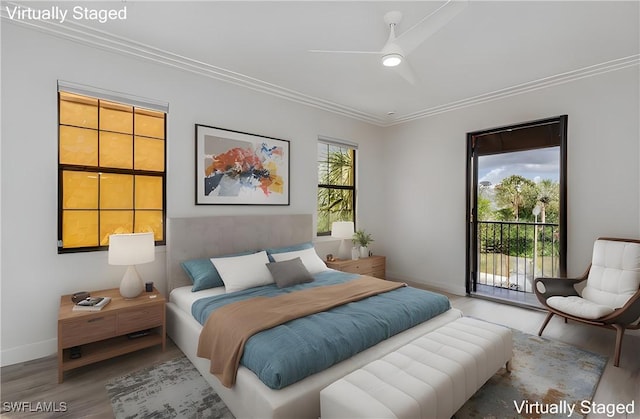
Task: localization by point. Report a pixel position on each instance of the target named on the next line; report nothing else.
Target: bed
(203, 237)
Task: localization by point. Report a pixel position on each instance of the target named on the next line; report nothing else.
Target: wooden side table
(372, 266)
(103, 334)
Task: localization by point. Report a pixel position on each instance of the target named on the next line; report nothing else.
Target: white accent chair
(607, 295)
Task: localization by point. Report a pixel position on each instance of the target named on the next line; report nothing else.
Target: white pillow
(309, 258)
(242, 272)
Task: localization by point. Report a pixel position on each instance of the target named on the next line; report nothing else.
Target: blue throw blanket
(290, 352)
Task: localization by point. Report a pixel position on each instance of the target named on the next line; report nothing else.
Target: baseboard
(437, 287)
(28, 352)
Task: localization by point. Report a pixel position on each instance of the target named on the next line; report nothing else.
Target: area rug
(545, 373)
(549, 379)
(173, 389)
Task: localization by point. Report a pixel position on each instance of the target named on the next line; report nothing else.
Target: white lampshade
(131, 249)
(342, 229)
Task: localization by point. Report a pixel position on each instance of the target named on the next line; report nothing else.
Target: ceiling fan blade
(324, 51)
(430, 24)
(405, 71)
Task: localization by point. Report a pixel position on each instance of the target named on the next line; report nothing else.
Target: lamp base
(131, 285)
(344, 251)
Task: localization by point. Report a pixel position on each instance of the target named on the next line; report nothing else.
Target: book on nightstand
(92, 304)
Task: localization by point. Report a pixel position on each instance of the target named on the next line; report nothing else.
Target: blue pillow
(203, 274)
(292, 248)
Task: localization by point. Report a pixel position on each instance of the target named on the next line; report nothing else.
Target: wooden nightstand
(372, 266)
(103, 334)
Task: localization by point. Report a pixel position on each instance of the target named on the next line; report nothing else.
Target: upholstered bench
(431, 377)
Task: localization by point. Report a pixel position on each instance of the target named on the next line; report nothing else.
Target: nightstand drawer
(377, 263)
(90, 329)
(372, 266)
(356, 268)
(365, 265)
(139, 319)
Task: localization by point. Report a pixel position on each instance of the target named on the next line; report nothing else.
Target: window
(336, 184)
(111, 171)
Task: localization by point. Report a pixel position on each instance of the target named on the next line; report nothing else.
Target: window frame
(353, 150)
(135, 105)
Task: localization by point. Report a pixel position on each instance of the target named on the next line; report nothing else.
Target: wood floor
(85, 396)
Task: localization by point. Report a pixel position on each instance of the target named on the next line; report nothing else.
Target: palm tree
(334, 202)
(548, 192)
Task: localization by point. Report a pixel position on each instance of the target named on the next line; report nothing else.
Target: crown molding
(82, 34)
(543, 83)
(77, 32)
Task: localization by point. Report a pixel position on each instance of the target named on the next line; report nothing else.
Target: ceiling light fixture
(391, 60)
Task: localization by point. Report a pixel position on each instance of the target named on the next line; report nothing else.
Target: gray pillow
(289, 272)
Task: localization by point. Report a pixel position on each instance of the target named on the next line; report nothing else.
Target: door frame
(471, 193)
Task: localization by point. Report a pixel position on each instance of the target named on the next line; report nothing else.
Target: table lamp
(343, 230)
(130, 250)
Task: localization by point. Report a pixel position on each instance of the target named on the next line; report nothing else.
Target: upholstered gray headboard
(198, 237)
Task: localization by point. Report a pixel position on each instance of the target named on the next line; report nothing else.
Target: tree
(335, 188)
(548, 197)
(515, 193)
(484, 212)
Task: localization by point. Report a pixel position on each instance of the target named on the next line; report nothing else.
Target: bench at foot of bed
(431, 377)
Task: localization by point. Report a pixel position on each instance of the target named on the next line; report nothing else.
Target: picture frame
(239, 168)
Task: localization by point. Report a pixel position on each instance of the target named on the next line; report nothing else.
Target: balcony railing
(511, 254)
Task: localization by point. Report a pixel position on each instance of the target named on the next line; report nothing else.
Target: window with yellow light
(111, 168)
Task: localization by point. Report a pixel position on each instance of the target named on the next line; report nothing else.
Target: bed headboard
(198, 237)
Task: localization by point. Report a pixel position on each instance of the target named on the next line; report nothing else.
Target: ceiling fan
(394, 52)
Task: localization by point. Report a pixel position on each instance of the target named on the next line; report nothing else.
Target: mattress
(184, 298)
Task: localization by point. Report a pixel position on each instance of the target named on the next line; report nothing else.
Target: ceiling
(490, 49)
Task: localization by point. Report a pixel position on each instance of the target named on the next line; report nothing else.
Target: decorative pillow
(242, 272)
(289, 272)
(203, 274)
(309, 258)
(286, 249)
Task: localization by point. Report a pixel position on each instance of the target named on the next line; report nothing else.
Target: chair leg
(619, 335)
(546, 322)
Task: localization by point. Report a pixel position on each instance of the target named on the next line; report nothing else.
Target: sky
(535, 165)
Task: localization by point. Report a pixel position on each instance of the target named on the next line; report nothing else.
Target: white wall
(33, 274)
(425, 189)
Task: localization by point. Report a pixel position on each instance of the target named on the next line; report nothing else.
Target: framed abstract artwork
(237, 168)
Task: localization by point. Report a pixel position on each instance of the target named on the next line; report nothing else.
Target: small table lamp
(131, 249)
(343, 230)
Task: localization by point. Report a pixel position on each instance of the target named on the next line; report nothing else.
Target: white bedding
(184, 298)
(250, 398)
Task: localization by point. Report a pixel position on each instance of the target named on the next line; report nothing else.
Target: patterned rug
(552, 374)
(544, 372)
(173, 389)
